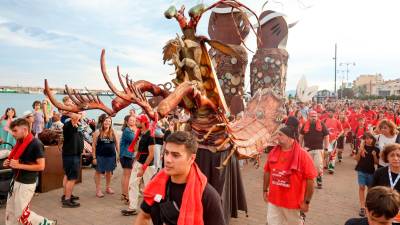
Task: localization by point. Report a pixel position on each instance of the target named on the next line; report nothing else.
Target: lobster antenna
(266, 2)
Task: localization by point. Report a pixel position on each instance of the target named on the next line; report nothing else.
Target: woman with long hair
(105, 152)
(5, 133)
(126, 157)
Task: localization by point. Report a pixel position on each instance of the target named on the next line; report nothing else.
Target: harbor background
(23, 102)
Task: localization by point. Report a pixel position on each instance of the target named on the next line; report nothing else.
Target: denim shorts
(365, 179)
(71, 166)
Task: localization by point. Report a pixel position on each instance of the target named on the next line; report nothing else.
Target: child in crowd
(56, 122)
(366, 157)
(382, 205)
(358, 134)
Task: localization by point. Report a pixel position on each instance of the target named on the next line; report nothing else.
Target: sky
(62, 40)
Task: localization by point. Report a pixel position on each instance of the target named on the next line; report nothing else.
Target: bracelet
(266, 190)
(144, 167)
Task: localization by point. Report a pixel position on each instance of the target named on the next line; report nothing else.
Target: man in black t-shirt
(26, 159)
(143, 168)
(314, 137)
(180, 192)
(71, 156)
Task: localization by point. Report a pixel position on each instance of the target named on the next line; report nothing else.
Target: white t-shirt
(381, 141)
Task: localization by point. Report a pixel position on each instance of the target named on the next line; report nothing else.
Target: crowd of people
(161, 182)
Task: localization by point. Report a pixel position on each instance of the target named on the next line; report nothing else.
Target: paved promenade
(331, 205)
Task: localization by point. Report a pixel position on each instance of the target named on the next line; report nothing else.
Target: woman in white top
(386, 134)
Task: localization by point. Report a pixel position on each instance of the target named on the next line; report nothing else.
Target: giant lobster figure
(197, 90)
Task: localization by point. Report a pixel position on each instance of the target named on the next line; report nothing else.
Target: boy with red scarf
(26, 159)
(180, 194)
(289, 175)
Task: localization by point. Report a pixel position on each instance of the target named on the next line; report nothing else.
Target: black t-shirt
(357, 221)
(212, 208)
(381, 178)
(34, 151)
(73, 140)
(146, 140)
(314, 139)
(366, 164)
(105, 147)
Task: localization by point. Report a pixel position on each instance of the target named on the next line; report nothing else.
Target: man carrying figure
(180, 193)
(26, 159)
(314, 136)
(289, 175)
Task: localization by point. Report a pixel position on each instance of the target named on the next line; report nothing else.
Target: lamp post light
(347, 64)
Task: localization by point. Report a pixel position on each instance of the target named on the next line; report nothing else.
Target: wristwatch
(307, 202)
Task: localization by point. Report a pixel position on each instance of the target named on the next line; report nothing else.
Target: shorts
(126, 162)
(106, 163)
(365, 179)
(71, 165)
(340, 142)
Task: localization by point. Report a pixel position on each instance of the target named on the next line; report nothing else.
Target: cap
(27, 114)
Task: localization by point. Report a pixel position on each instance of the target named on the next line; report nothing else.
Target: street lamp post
(347, 64)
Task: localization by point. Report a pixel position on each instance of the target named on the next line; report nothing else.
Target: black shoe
(69, 203)
(129, 212)
(73, 197)
(362, 212)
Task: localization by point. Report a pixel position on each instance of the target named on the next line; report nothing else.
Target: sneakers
(362, 212)
(73, 197)
(69, 203)
(319, 182)
(129, 212)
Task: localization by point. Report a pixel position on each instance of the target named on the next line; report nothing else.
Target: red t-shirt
(346, 125)
(335, 128)
(287, 190)
(353, 120)
(395, 120)
(369, 116)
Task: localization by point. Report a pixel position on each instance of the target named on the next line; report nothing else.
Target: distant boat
(35, 92)
(6, 90)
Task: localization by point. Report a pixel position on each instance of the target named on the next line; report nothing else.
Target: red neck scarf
(273, 156)
(20, 147)
(191, 211)
(307, 125)
(131, 147)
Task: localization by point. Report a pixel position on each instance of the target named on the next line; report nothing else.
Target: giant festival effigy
(209, 86)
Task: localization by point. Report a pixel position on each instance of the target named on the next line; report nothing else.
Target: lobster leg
(188, 89)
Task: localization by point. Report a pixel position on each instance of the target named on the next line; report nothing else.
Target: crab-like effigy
(209, 86)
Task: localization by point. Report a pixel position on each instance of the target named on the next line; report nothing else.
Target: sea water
(23, 102)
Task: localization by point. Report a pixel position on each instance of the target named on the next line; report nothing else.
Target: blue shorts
(365, 179)
(126, 162)
(71, 166)
(106, 164)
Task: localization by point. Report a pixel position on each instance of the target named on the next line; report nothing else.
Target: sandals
(109, 191)
(125, 199)
(99, 194)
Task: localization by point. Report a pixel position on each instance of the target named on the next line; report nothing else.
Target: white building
(387, 88)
